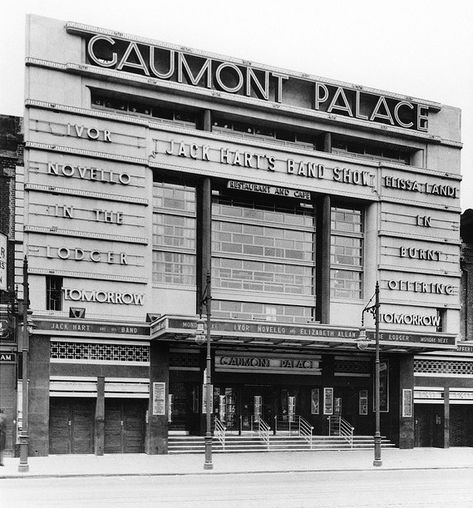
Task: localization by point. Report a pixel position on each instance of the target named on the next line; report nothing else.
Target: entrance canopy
(306, 337)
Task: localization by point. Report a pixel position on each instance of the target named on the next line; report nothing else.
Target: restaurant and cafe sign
(157, 63)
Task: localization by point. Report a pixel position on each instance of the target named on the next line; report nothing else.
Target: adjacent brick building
(11, 158)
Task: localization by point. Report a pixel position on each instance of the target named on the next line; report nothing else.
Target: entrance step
(280, 443)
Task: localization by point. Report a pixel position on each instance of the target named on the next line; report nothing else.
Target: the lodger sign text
(158, 63)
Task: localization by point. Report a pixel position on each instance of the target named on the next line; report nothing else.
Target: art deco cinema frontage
(157, 176)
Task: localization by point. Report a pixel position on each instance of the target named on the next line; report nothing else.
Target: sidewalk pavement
(55, 466)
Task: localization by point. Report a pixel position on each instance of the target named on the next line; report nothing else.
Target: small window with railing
(53, 292)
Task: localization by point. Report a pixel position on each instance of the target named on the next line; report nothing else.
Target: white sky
(421, 48)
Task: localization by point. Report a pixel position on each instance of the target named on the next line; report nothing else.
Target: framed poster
(338, 406)
(363, 403)
(383, 387)
(170, 407)
(328, 401)
(257, 407)
(159, 399)
(314, 401)
(407, 403)
(204, 399)
(291, 409)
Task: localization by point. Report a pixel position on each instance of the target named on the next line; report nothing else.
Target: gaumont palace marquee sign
(160, 62)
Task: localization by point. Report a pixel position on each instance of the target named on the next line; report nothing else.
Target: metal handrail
(263, 431)
(305, 430)
(219, 431)
(346, 430)
(342, 428)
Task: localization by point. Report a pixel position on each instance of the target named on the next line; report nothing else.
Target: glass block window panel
(174, 234)
(262, 312)
(173, 231)
(263, 247)
(346, 253)
(168, 197)
(173, 268)
(268, 277)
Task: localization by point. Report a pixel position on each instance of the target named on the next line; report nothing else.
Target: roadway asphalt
(379, 488)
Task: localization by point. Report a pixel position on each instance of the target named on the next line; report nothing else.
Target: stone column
(328, 142)
(207, 120)
(157, 427)
(38, 400)
(323, 260)
(446, 417)
(406, 381)
(100, 417)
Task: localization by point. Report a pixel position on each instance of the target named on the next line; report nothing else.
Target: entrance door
(125, 426)
(71, 426)
(428, 425)
(461, 425)
(225, 406)
(257, 402)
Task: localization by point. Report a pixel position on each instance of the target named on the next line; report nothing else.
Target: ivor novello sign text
(242, 78)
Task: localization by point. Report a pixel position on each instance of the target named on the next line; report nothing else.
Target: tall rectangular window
(174, 234)
(53, 292)
(346, 253)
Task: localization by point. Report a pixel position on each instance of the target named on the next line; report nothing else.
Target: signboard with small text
(3, 262)
(159, 399)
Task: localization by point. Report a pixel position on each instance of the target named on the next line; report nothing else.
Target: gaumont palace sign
(160, 62)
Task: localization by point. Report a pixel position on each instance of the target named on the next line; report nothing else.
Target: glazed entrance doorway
(258, 401)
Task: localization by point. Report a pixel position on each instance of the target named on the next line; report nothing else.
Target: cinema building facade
(154, 173)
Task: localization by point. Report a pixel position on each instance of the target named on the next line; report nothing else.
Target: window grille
(103, 352)
(443, 367)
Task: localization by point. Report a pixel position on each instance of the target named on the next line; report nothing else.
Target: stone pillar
(99, 440)
(406, 381)
(328, 142)
(323, 260)
(417, 159)
(446, 417)
(207, 120)
(38, 400)
(204, 241)
(157, 427)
